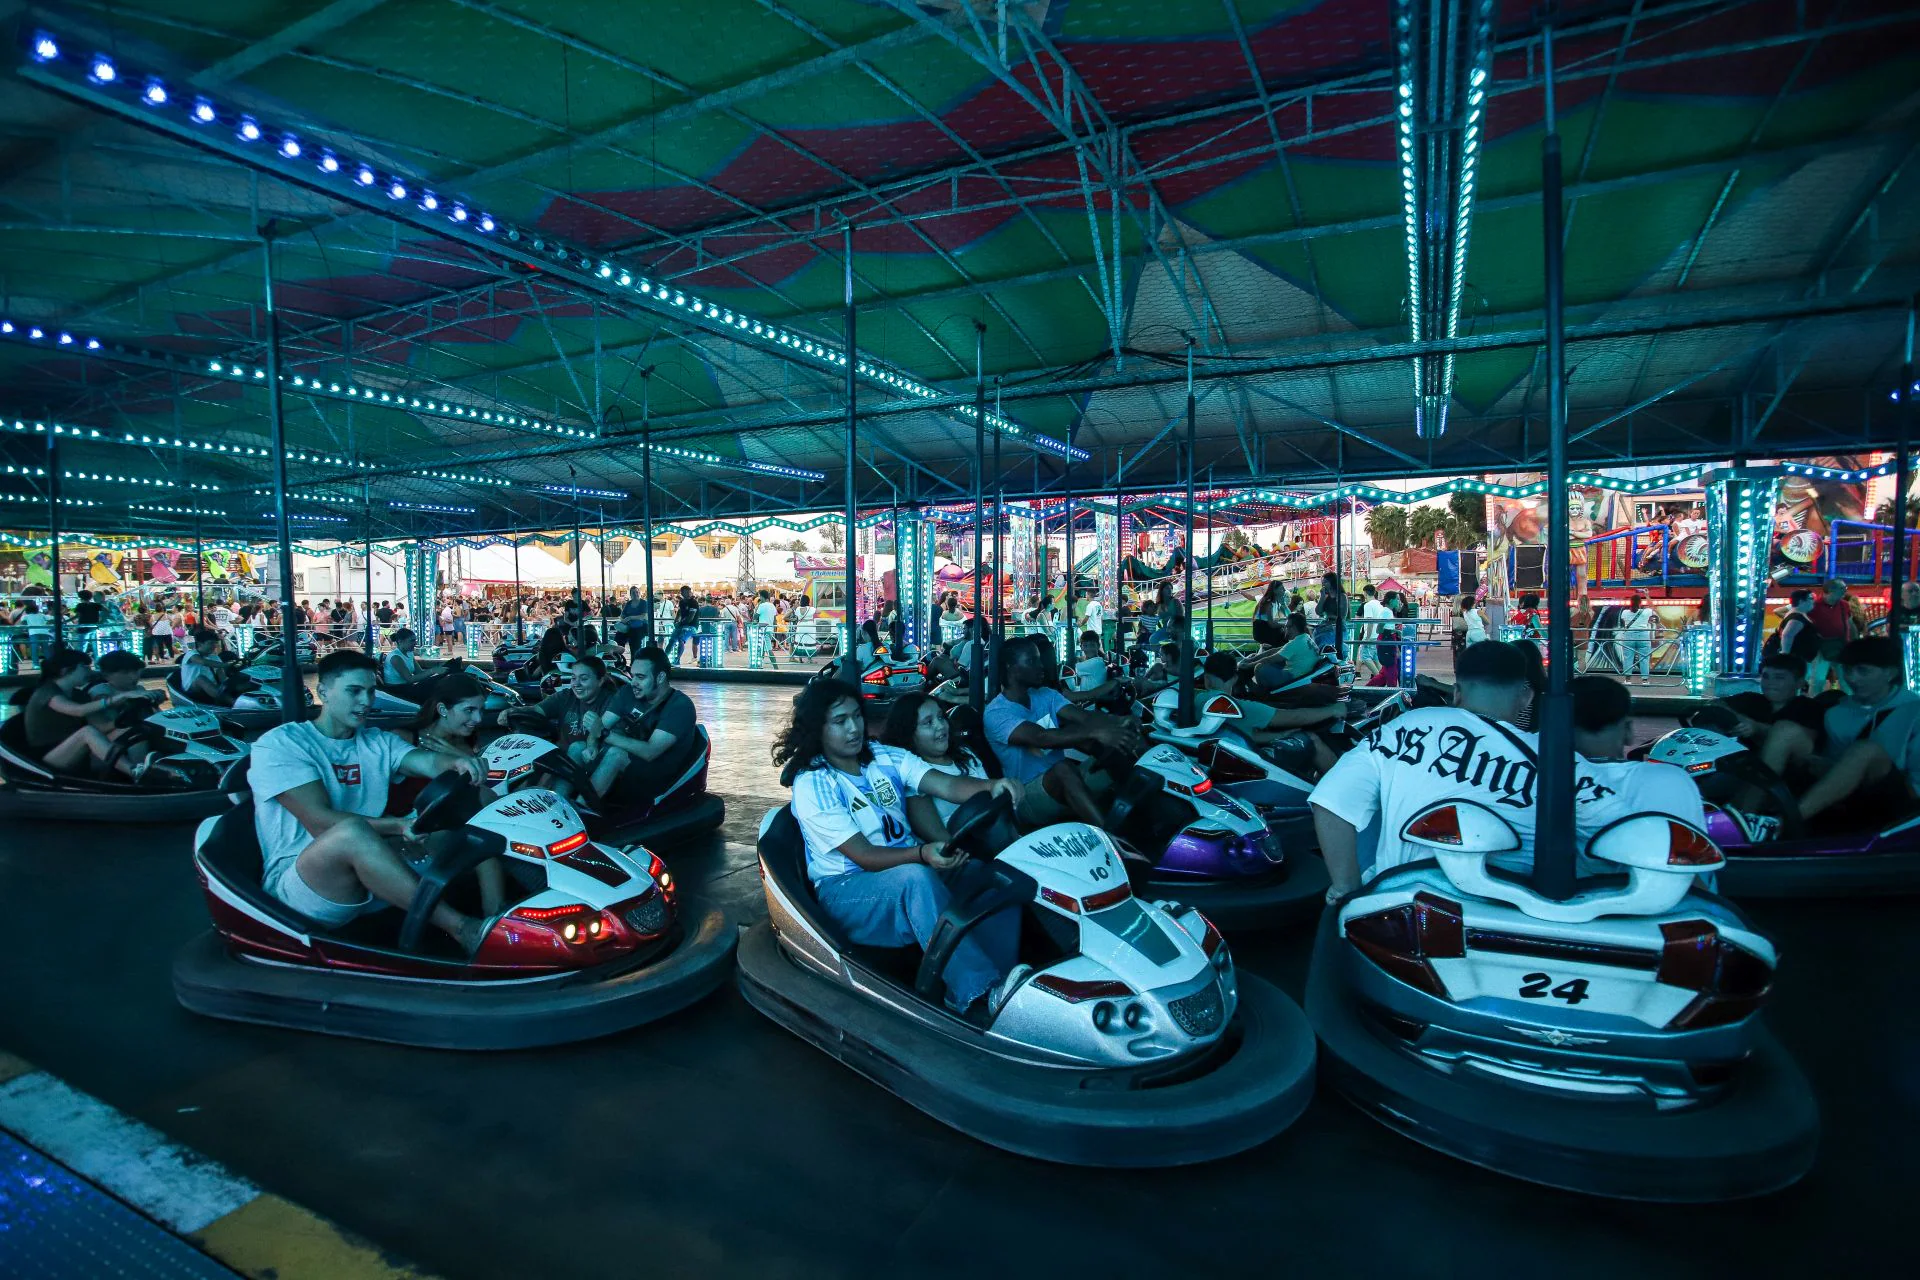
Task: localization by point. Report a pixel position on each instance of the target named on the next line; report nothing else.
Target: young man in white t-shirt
(319, 792)
(1091, 679)
(1471, 751)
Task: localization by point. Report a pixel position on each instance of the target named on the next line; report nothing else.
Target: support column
(913, 575)
(1022, 566)
(1740, 507)
(292, 691)
(420, 566)
(1106, 564)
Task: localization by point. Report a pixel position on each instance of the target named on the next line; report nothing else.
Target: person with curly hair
(877, 880)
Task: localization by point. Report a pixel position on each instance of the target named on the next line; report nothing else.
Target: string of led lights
(1444, 54)
(144, 97)
(235, 371)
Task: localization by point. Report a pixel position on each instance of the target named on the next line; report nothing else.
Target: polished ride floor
(716, 1144)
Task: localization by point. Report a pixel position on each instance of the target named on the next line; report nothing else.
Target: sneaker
(998, 997)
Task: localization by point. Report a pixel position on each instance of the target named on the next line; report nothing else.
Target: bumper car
(405, 700)
(1274, 781)
(1755, 818)
(198, 752)
(255, 698)
(1608, 1044)
(513, 655)
(268, 654)
(677, 809)
(884, 678)
(1245, 869)
(1134, 1042)
(597, 942)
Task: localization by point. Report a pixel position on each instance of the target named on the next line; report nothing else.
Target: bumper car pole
(1897, 618)
(849, 669)
(977, 677)
(366, 556)
(53, 536)
(199, 576)
(646, 498)
(1553, 858)
(1186, 717)
(519, 605)
(292, 705)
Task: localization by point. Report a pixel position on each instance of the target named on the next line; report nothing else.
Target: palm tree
(1470, 507)
(1424, 524)
(1387, 526)
(1465, 533)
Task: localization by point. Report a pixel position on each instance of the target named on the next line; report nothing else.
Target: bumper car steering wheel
(982, 826)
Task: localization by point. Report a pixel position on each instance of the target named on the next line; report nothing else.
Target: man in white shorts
(319, 793)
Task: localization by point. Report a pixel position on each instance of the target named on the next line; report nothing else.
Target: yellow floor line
(178, 1190)
(276, 1239)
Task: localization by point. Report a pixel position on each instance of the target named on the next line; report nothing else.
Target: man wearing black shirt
(1782, 677)
(650, 746)
(87, 612)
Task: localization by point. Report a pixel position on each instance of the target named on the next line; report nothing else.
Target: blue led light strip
(244, 374)
(57, 63)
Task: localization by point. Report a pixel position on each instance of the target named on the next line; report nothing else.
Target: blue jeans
(682, 634)
(902, 905)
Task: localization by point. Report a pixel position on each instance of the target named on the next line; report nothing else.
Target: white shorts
(284, 885)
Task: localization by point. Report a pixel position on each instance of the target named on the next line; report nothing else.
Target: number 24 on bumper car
(1608, 1043)
(1134, 1043)
(598, 941)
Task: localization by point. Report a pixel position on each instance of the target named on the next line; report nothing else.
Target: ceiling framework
(1101, 184)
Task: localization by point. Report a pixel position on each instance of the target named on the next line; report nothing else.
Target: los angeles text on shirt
(1473, 760)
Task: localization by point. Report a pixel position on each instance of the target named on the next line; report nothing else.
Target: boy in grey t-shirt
(320, 793)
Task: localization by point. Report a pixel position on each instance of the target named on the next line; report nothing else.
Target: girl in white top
(919, 724)
(1476, 622)
(1637, 622)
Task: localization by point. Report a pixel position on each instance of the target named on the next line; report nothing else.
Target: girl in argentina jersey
(878, 881)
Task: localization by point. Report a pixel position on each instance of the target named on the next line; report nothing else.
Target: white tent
(537, 567)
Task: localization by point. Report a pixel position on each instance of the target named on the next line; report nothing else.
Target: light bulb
(155, 94)
(44, 48)
(329, 163)
(249, 131)
(102, 69)
(398, 190)
(203, 112)
(290, 147)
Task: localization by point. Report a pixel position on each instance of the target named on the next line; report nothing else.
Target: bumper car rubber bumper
(60, 804)
(210, 980)
(1782, 874)
(1758, 1138)
(1051, 1113)
(1258, 902)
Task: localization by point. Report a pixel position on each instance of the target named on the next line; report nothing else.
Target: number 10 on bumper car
(1134, 1042)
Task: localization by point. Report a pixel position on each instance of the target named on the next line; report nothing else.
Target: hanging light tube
(381, 190)
(1444, 58)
